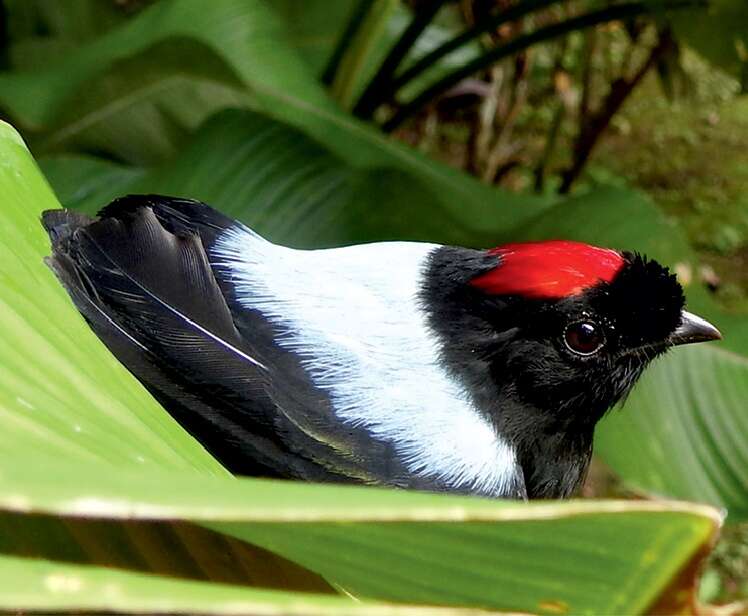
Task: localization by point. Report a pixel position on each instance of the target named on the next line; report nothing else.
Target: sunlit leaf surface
(580, 556)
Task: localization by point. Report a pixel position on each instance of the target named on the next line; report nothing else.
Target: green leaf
(239, 31)
(160, 96)
(61, 391)
(294, 190)
(617, 217)
(39, 30)
(359, 59)
(683, 431)
(172, 548)
(82, 182)
(719, 33)
(504, 571)
(581, 557)
(315, 27)
(51, 587)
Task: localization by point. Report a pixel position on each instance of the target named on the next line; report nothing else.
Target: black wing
(141, 276)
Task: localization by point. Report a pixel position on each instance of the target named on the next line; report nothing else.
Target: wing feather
(151, 296)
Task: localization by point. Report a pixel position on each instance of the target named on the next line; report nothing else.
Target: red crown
(548, 270)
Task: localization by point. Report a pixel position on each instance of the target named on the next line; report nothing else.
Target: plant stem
(503, 149)
(593, 127)
(354, 23)
(345, 86)
(370, 99)
(511, 14)
(593, 18)
(587, 60)
(550, 147)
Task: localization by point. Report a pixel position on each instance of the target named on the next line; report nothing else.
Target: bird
(403, 364)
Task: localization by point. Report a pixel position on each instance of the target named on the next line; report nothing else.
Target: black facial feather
(645, 301)
(510, 353)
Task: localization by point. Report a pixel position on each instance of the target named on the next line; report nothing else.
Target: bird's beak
(693, 329)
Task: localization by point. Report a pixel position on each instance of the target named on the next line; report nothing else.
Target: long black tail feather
(141, 277)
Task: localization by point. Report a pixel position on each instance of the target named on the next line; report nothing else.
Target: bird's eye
(584, 338)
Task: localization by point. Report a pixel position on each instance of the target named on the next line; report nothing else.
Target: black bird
(397, 363)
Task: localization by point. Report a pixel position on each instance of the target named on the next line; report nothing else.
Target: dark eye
(584, 338)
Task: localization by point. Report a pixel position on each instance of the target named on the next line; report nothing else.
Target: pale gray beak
(693, 329)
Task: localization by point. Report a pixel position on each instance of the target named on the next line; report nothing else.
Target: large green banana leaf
(592, 557)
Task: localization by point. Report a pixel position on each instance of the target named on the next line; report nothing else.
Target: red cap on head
(548, 270)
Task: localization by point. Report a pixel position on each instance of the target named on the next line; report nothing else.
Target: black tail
(141, 277)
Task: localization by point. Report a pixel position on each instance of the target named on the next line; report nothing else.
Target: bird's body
(353, 319)
(399, 363)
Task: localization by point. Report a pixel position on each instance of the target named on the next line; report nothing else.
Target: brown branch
(596, 123)
(550, 146)
(590, 48)
(561, 87)
(502, 149)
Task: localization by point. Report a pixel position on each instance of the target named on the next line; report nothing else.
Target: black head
(548, 336)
